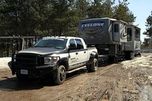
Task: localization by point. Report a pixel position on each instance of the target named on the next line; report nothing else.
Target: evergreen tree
(56, 17)
(81, 8)
(149, 26)
(24, 17)
(60, 16)
(122, 12)
(100, 8)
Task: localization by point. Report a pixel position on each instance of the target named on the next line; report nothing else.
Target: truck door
(82, 53)
(73, 54)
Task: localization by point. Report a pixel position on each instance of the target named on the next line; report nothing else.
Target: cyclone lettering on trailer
(92, 25)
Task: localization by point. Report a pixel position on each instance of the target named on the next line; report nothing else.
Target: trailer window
(116, 28)
(79, 44)
(129, 34)
(137, 34)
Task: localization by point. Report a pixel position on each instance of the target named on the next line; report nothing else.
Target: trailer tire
(93, 66)
(129, 55)
(59, 75)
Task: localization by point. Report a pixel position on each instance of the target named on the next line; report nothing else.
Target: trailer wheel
(93, 66)
(129, 55)
(139, 54)
(59, 75)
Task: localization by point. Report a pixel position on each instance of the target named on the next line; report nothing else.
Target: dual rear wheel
(93, 66)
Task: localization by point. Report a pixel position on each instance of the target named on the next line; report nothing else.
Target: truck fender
(92, 56)
(64, 62)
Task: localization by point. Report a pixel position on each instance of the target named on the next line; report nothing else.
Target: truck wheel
(139, 54)
(93, 66)
(59, 75)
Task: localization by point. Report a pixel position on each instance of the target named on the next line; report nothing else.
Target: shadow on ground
(11, 83)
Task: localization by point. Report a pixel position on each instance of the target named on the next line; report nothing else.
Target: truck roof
(56, 37)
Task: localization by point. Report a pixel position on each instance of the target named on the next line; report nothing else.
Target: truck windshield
(52, 43)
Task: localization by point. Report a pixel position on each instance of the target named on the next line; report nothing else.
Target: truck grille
(29, 59)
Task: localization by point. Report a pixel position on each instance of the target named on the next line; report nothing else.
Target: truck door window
(79, 44)
(129, 34)
(72, 44)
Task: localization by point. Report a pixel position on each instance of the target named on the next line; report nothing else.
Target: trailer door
(116, 32)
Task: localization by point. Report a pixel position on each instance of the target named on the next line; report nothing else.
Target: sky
(141, 9)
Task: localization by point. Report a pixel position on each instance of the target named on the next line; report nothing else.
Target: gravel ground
(129, 80)
(140, 72)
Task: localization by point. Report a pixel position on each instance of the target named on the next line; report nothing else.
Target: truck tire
(93, 66)
(59, 75)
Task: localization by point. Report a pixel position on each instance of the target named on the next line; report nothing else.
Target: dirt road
(123, 81)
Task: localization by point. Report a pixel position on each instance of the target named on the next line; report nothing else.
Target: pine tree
(24, 17)
(56, 17)
(100, 8)
(122, 12)
(149, 26)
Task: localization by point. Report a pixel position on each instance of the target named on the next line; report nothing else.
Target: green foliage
(122, 12)
(55, 17)
(149, 26)
(81, 7)
(100, 8)
(24, 17)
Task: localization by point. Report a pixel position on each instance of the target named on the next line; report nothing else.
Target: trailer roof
(112, 19)
(134, 26)
(99, 19)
